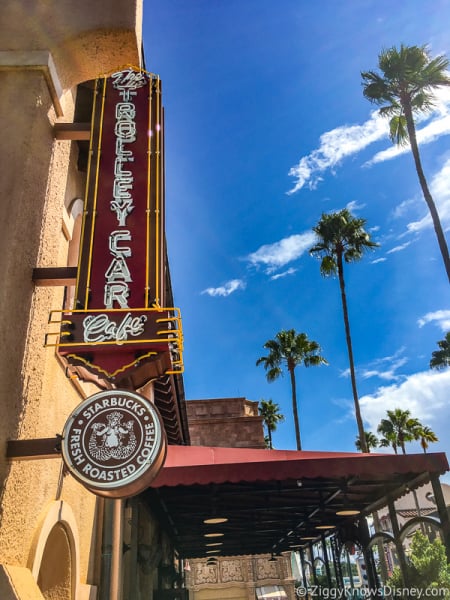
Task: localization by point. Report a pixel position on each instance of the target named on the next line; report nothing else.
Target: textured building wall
(237, 577)
(226, 422)
(46, 48)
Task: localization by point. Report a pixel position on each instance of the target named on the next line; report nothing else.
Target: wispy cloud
(439, 317)
(290, 271)
(440, 190)
(353, 206)
(279, 254)
(388, 373)
(383, 368)
(428, 134)
(335, 145)
(225, 290)
(347, 140)
(398, 248)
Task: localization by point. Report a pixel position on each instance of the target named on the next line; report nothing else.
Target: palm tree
(389, 437)
(405, 88)
(371, 441)
(398, 428)
(270, 412)
(290, 349)
(441, 358)
(342, 238)
(425, 435)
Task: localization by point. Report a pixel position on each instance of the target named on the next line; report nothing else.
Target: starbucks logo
(114, 443)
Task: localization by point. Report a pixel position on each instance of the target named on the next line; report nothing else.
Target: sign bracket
(34, 449)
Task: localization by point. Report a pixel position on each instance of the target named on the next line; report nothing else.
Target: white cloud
(378, 260)
(398, 248)
(274, 256)
(428, 134)
(424, 394)
(353, 206)
(440, 190)
(335, 145)
(226, 289)
(402, 209)
(344, 141)
(436, 127)
(289, 271)
(386, 374)
(440, 317)
(384, 368)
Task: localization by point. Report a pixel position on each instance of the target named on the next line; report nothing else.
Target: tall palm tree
(371, 441)
(290, 349)
(398, 428)
(441, 358)
(270, 412)
(342, 238)
(404, 88)
(426, 436)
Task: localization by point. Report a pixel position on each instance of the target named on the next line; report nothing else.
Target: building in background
(234, 422)
(226, 422)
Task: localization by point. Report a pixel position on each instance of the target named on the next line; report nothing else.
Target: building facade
(57, 539)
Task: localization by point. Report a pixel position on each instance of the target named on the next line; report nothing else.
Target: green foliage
(341, 238)
(440, 359)
(288, 350)
(270, 412)
(340, 235)
(400, 428)
(371, 441)
(427, 566)
(405, 85)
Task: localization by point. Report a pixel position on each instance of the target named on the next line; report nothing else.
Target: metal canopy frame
(275, 501)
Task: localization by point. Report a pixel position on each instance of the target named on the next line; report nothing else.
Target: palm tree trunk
(269, 433)
(362, 435)
(294, 407)
(424, 185)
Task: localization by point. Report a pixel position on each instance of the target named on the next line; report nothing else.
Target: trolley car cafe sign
(119, 324)
(114, 443)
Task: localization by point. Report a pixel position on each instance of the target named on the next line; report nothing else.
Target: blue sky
(266, 129)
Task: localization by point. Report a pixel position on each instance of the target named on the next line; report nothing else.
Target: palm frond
(398, 131)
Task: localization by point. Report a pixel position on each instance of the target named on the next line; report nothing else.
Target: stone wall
(225, 422)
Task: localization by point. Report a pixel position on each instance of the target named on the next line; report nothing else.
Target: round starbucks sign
(114, 443)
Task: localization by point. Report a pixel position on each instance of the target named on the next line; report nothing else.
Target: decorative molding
(231, 570)
(57, 512)
(35, 60)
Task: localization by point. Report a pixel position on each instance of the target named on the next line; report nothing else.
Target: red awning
(260, 501)
(189, 465)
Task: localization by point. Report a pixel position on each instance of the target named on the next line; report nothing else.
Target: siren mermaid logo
(114, 443)
(116, 440)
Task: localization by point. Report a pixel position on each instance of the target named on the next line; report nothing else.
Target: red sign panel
(122, 260)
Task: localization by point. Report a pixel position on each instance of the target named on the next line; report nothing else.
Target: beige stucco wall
(85, 38)
(46, 48)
